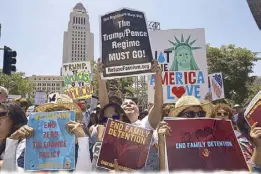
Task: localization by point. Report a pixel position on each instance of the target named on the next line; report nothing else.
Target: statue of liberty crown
(181, 42)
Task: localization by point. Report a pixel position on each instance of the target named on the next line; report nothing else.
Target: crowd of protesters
(90, 124)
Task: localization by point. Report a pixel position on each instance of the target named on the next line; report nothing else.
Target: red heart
(178, 91)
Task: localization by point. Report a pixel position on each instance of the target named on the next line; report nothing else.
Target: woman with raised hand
(12, 118)
(64, 103)
(131, 110)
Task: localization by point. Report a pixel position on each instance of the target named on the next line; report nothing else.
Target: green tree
(94, 80)
(253, 90)
(122, 83)
(235, 64)
(16, 83)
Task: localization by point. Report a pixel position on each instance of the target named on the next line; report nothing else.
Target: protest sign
(77, 80)
(126, 143)
(203, 144)
(51, 147)
(40, 98)
(182, 56)
(254, 115)
(217, 86)
(52, 98)
(255, 7)
(125, 44)
(253, 102)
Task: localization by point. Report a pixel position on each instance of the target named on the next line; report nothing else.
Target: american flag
(218, 79)
(217, 89)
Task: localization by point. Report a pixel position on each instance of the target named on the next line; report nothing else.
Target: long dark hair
(18, 117)
(243, 126)
(96, 119)
(118, 110)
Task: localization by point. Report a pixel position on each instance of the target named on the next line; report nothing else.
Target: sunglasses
(193, 114)
(3, 114)
(224, 114)
(114, 117)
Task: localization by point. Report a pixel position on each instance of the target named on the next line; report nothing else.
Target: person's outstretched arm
(254, 163)
(103, 93)
(156, 112)
(84, 160)
(163, 130)
(13, 150)
(15, 146)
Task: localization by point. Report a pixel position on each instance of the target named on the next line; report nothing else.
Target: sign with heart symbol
(182, 56)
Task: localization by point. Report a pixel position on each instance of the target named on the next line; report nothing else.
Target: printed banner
(253, 102)
(40, 98)
(51, 147)
(126, 143)
(77, 80)
(217, 86)
(255, 114)
(125, 48)
(203, 144)
(182, 56)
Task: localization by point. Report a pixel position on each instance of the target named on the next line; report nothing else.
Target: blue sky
(34, 28)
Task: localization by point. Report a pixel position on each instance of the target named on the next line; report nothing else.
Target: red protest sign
(126, 143)
(203, 144)
(254, 115)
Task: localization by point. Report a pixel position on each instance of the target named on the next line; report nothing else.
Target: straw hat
(188, 101)
(63, 102)
(3, 91)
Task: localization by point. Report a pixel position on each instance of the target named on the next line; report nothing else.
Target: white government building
(78, 41)
(78, 45)
(49, 84)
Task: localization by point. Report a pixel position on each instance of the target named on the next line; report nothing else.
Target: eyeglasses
(225, 114)
(3, 114)
(114, 117)
(193, 114)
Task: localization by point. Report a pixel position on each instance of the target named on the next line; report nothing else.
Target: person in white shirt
(131, 108)
(16, 141)
(93, 127)
(12, 118)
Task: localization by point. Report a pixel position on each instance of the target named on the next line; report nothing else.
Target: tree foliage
(122, 83)
(16, 83)
(236, 65)
(253, 90)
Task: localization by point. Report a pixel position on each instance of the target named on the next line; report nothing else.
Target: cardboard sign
(77, 80)
(252, 103)
(126, 143)
(182, 56)
(52, 98)
(255, 114)
(217, 86)
(203, 144)
(40, 98)
(51, 147)
(125, 44)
